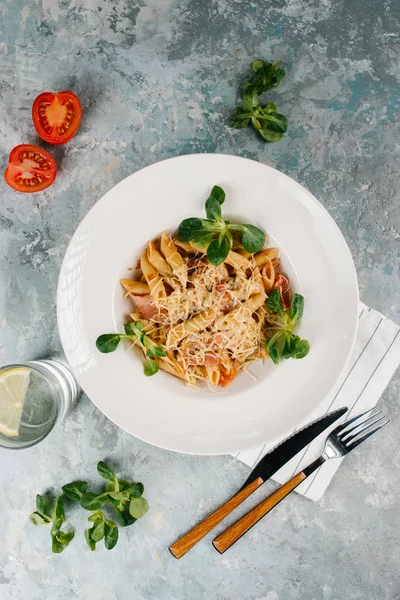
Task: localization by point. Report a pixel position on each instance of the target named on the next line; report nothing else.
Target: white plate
(160, 409)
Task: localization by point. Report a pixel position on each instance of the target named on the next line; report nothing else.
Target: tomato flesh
(282, 284)
(56, 116)
(30, 169)
(226, 378)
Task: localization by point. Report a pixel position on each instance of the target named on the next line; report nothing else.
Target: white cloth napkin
(374, 360)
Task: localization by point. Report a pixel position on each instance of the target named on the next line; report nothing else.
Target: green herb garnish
(60, 539)
(108, 342)
(75, 490)
(266, 120)
(215, 234)
(284, 343)
(102, 528)
(124, 497)
(121, 494)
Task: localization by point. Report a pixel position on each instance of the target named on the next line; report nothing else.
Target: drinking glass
(51, 393)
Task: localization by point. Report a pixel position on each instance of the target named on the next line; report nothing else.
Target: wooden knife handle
(190, 539)
(233, 533)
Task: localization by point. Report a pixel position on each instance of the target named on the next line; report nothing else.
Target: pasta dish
(209, 320)
(209, 301)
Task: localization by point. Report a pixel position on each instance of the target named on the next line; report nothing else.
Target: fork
(340, 442)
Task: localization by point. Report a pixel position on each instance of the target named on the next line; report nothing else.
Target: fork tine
(359, 441)
(364, 428)
(364, 424)
(344, 425)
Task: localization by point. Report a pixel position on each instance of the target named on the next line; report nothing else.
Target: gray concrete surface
(159, 78)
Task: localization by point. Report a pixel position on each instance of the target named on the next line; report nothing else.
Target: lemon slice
(13, 386)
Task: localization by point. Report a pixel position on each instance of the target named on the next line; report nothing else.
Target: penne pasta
(255, 302)
(155, 283)
(135, 287)
(226, 361)
(157, 260)
(258, 278)
(170, 252)
(237, 260)
(261, 257)
(260, 313)
(172, 369)
(272, 253)
(244, 253)
(268, 275)
(197, 323)
(213, 374)
(186, 246)
(231, 319)
(200, 372)
(240, 313)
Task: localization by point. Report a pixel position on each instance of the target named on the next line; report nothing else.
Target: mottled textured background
(159, 78)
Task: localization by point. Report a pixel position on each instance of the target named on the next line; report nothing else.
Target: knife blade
(267, 466)
(286, 450)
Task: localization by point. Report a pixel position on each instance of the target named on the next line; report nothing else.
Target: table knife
(270, 464)
(338, 444)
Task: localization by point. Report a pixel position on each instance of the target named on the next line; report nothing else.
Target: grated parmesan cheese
(211, 317)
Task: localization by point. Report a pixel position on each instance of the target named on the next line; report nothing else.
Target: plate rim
(103, 199)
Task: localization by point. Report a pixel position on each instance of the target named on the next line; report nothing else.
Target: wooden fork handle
(190, 539)
(233, 533)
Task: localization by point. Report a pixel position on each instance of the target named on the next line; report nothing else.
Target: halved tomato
(56, 117)
(30, 169)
